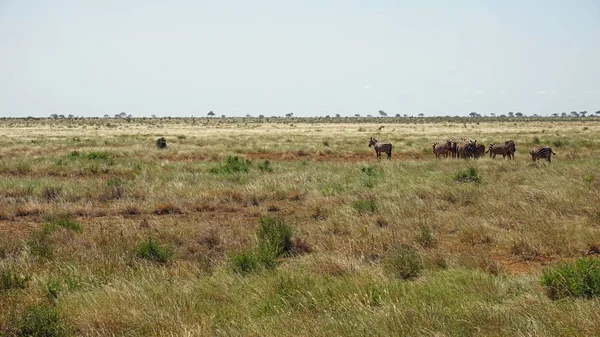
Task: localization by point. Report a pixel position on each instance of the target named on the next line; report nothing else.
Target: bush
(64, 221)
(274, 236)
(372, 171)
(469, 175)
(10, 278)
(425, 237)
(233, 164)
(153, 251)
(404, 262)
(244, 262)
(42, 321)
(265, 166)
(578, 279)
(364, 206)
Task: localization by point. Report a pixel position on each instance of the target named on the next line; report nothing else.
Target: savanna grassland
(290, 228)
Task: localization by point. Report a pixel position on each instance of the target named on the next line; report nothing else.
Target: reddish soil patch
(323, 156)
(514, 267)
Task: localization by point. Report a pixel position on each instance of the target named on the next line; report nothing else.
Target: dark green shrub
(372, 171)
(265, 166)
(41, 321)
(244, 262)
(64, 221)
(233, 164)
(11, 278)
(470, 175)
(153, 251)
(274, 237)
(403, 262)
(578, 279)
(367, 206)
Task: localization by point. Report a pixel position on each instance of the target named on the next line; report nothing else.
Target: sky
(310, 58)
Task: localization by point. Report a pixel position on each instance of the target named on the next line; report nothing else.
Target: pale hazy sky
(310, 57)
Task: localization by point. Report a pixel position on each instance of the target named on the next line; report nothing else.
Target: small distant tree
(248, 116)
(261, 116)
(421, 115)
(356, 115)
(511, 114)
(518, 114)
(288, 115)
(338, 115)
(583, 113)
(493, 114)
(575, 113)
(106, 116)
(405, 115)
(555, 114)
(564, 114)
(223, 116)
(382, 113)
(153, 116)
(597, 112)
(210, 114)
(473, 114)
(398, 116)
(55, 116)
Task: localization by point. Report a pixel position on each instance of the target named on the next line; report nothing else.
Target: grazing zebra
(381, 147)
(467, 149)
(442, 149)
(506, 149)
(453, 148)
(542, 151)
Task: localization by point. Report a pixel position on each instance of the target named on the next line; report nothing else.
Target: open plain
(102, 233)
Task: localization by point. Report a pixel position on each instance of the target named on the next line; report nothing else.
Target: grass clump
(425, 237)
(365, 206)
(274, 236)
(265, 166)
(64, 221)
(233, 164)
(98, 155)
(41, 321)
(153, 251)
(244, 262)
(578, 279)
(403, 262)
(470, 175)
(10, 278)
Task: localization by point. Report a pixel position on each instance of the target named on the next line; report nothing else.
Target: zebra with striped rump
(480, 149)
(467, 149)
(442, 149)
(541, 151)
(506, 149)
(381, 147)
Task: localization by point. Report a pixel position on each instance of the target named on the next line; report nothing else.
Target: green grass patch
(470, 175)
(151, 250)
(12, 278)
(403, 262)
(233, 164)
(578, 279)
(41, 321)
(365, 206)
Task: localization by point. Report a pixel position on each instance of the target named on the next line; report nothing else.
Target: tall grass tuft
(153, 251)
(403, 262)
(274, 236)
(11, 278)
(365, 206)
(578, 279)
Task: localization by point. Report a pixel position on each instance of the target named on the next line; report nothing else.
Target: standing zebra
(480, 149)
(442, 149)
(506, 149)
(542, 151)
(467, 149)
(381, 147)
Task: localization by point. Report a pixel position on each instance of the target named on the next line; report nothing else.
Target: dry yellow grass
(483, 245)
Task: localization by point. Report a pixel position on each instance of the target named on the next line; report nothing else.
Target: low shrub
(366, 206)
(233, 164)
(101, 155)
(42, 321)
(265, 166)
(153, 251)
(161, 143)
(403, 262)
(11, 278)
(244, 262)
(470, 175)
(274, 236)
(578, 279)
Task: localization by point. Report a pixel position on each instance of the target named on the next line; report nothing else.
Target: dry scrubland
(79, 199)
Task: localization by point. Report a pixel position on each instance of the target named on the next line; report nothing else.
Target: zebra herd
(470, 149)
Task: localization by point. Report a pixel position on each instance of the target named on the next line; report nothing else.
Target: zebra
(467, 149)
(480, 149)
(542, 151)
(381, 147)
(442, 149)
(453, 148)
(506, 149)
